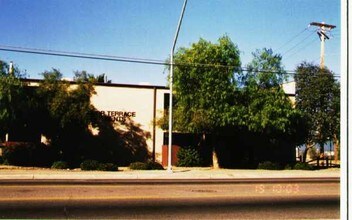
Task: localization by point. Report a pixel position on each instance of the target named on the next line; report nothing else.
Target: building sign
(119, 116)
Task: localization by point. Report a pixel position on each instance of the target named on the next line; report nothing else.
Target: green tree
(218, 98)
(317, 95)
(13, 100)
(102, 78)
(66, 113)
(4, 68)
(205, 93)
(84, 76)
(265, 70)
(204, 88)
(266, 109)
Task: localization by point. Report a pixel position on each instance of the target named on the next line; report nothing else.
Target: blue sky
(145, 29)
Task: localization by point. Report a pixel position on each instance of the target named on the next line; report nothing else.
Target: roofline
(109, 84)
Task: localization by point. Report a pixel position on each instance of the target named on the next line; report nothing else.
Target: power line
(289, 41)
(114, 58)
(81, 55)
(298, 43)
(301, 48)
(131, 59)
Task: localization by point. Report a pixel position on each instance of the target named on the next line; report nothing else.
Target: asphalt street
(300, 198)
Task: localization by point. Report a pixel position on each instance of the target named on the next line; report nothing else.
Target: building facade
(142, 105)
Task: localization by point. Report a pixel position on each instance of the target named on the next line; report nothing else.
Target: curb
(167, 181)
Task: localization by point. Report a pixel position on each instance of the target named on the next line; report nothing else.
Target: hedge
(188, 157)
(268, 165)
(60, 165)
(28, 154)
(150, 165)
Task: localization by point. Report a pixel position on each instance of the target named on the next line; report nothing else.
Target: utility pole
(323, 28)
(169, 167)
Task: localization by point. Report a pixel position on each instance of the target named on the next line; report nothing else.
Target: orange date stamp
(277, 188)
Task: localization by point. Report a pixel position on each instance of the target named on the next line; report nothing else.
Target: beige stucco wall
(138, 103)
(290, 89)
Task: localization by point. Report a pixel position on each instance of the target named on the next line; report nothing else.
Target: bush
(288, 167)
(59, 165)
(303, 166)
(18, 153)
(138, 166)
(107, 167)
(188, 157)
(268, 165)
(154, 166)
(150, 165)
(28, 154)
(89, 165)
(1, 160)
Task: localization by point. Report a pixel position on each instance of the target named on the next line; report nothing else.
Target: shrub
(154, 165)
(303, 166)
(59, 165)
(28, 154)
(288, 167)
(138, 166)
(188, 157)
(1, 160)
(17, 153)
(107, 167)
(89, 165)
(268, 165)
(150, 165)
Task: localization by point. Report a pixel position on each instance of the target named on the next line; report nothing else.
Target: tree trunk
(308, 146)
(305, 154)
(336, 148)
(215, 159)
(208, 153)
(321, 153)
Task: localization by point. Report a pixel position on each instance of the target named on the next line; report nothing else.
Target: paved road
(290, 198)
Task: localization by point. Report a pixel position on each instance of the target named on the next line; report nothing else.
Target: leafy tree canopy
(205, 93)
(265, 106)
(210, 97)
(68, 106)
(13, 98)
(84, 76)
(265, 70)
(318, 96)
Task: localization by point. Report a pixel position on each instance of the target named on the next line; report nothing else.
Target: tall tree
(204, 85)
(265, 70)
(317, 95)
(214, 96)
(13, 99)
(67, 112)
(267, 110)
(266, 105)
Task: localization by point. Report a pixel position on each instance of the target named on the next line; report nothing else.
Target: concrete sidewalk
(8, 173)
